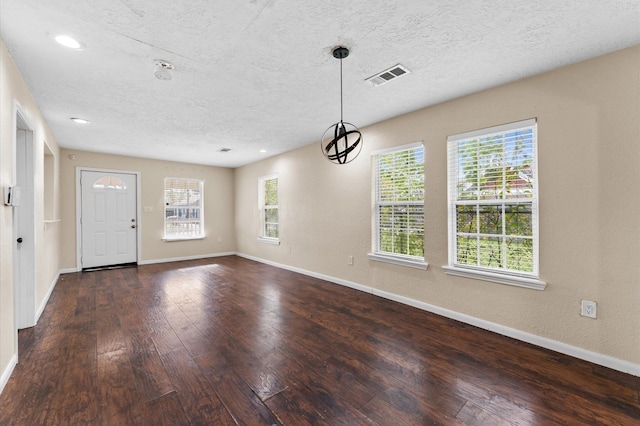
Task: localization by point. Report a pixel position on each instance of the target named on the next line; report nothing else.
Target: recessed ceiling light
(263, 150)
(80, 120)
(69, 42)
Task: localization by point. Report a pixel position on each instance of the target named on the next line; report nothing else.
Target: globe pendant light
(342, 141)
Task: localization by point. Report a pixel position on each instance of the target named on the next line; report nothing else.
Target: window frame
(502, 274)
(200, 208)
(377, 253)
(263, 207)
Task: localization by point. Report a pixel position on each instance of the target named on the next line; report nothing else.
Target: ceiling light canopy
(79, 120)
(341, 142)
(70, 42)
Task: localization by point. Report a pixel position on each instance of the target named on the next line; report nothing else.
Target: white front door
(108, 218)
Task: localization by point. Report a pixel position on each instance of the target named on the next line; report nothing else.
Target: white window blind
(183, 211)
(398, 176)
(268, 202)
(493, 202)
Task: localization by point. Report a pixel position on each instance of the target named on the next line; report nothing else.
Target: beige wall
(588, 126)
(47, 235)
(589, 235)
(218, 205)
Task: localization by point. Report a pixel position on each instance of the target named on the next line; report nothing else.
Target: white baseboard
(563, 348)
(44, 302)
(153, 261)
(6, 374)
(179, 259)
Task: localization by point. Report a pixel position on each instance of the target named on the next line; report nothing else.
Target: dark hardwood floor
(230, 341)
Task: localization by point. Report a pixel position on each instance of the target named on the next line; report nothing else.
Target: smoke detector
(163, 69)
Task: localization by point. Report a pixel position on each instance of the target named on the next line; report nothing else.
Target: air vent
(224, 150)
(388, 75)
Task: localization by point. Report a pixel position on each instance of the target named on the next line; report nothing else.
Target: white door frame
(24, 278)
(79, 171)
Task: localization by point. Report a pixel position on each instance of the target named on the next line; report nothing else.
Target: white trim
(45, 300)
(488, 131)
(6, 374)
(262, 207)
(69, 271)
(543, 342)
(267, 240)
(169, 240)
(376, 228)
(399, 260)
(202, 235)
(79, 170)
(404, 147)
(500, 275)
(267, 177)
(500, 278)
(309, 273)
(24, 299)
(180, 259)
(554, 345)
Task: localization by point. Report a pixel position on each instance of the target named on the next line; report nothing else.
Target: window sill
(274, 241)
(397, 260)
(169, 240)
(514, 280)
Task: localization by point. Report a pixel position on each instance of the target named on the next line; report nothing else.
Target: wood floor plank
(163, 411)
(291, 410)
(199, 399)
(162, 334)
(231, 341)
(474, 414)
(240, 401)
(117, 392)
(328, 405)
(380, 411)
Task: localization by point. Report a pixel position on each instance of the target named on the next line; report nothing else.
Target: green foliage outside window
(495, 189)
(270, 221)
(400, 202)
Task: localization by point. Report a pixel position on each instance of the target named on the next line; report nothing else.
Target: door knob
(19, 240)
(133, 226)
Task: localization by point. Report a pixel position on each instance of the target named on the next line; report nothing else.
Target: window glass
(398, 177)
(183, 208)
(268, 202)
(109, 182)
(493, 199)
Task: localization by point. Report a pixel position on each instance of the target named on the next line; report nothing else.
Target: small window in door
(109, 182)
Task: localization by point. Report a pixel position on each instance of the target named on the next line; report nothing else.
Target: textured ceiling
(259, 74)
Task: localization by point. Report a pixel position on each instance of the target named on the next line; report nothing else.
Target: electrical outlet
(588, 309)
